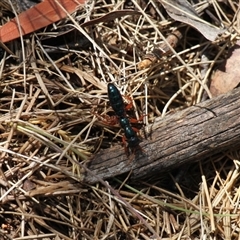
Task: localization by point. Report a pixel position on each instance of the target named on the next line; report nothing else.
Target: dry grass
(49, 127)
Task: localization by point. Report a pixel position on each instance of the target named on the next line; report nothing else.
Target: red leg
(130, 103)
(106, 119)
(131, 152)
(126, 149)
(111, 120)
(134, 120)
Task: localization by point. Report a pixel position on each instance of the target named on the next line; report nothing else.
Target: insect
(117, 104)
(161, 50)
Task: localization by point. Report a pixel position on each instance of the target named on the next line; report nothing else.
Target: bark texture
(190, 135)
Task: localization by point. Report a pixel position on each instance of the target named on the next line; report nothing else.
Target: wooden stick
(193, 134)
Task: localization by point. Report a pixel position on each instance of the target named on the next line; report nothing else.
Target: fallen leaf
(182, 11)
(227, 76)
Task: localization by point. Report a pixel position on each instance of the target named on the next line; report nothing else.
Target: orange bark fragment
(37, 17)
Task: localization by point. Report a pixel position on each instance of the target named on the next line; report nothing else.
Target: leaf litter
(53, 91)
(227, 75)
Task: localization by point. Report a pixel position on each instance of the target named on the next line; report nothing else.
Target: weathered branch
(190, 135)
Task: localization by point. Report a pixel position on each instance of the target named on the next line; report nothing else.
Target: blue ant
(117, 104)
